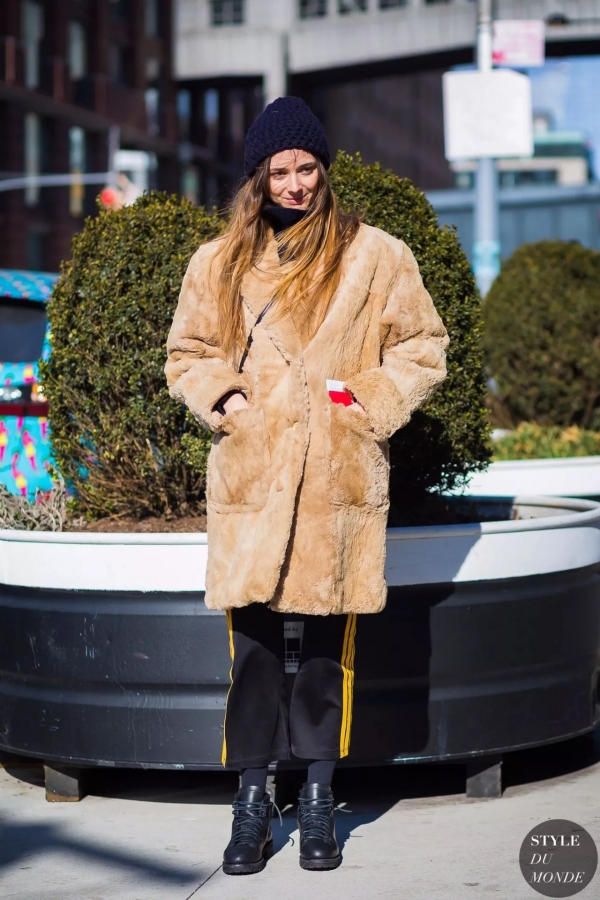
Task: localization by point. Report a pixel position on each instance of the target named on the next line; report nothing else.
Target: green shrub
(531, 441)
(117, 437)
(448, 438)
(128, 449)
(542, 336)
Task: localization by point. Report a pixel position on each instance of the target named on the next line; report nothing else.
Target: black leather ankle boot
(251, 842)
(318, 845)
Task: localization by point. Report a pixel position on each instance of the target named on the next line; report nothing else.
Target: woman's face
(293, 179)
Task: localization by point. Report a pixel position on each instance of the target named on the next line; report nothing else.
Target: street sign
(518, 42)
(487, 114)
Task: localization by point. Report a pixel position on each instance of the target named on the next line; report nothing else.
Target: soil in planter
(149, 524)
(433, 511)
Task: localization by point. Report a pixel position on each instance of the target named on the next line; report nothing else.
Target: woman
(294, 296)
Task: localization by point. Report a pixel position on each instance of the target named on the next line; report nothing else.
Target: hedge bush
(531, 441)
(128, 449)
(117, 437)
(448, 438)
(542, 336)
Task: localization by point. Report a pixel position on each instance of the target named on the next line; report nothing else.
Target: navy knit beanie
(285, 124)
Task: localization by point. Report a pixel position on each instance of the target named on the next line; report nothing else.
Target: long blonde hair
(311, 254)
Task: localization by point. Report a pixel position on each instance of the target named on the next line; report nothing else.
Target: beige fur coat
(297, 491)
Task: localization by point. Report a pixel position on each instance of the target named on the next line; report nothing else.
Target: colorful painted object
(24, 439)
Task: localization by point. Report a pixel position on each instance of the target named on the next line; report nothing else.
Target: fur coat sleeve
(196, 370)
(413, 358)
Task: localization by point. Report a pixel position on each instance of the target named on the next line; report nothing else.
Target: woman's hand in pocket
(357, 407)
(236, 401)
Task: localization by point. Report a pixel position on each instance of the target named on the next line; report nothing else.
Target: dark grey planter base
(447, 672)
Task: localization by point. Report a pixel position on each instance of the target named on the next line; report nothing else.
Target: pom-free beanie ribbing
(286, 124)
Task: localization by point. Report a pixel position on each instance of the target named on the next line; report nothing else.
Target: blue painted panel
(24, 441)
(510, 231)
(575, 223)
(527, 215)
(537, 224)
(463, 220)
(27, 285)
(24, 454)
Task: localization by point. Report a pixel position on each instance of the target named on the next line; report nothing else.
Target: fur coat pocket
(239, 462)
(359, 470)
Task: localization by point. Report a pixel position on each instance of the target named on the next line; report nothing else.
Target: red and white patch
(338, 393)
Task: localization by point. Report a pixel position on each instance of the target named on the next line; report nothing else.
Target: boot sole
(320, 865)
(249, 868)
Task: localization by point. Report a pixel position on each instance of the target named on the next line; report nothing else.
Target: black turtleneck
(282, 217)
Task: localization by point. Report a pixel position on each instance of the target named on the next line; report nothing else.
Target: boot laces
(315, 818)
(248, 824)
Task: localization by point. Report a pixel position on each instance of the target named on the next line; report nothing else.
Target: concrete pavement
(410, 834)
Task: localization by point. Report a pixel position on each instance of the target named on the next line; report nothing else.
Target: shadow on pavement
(552, 761)
(372, 785)
(22, 841)
(346, 823)
(163, 785)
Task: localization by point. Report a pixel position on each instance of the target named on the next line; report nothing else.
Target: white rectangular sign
(487, 114)
(518, 42)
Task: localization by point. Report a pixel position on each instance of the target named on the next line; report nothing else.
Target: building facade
(76, 76)
(371, 69)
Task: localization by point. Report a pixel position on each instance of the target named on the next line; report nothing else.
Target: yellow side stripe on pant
(230, 629)
(348, 683)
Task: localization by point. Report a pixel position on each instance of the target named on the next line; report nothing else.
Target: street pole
(486, 247)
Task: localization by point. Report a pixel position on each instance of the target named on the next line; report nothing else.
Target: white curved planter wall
(573, 477)
(565, 536)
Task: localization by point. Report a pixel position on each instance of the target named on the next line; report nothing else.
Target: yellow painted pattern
(231, 651)
(348, 683)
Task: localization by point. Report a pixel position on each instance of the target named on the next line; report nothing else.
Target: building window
(35, 258)
(33, 32)
(236, 121)
(151, 18)
(33, 156)
(152, 100)
(190, 184)
(117, 64)
(392, 4)
(211, 119)
(352, 6)
(152, 70)
(118, 9)
(76, 167)
(227, 12)
(77, 51)
(184, 113)
(312, 9)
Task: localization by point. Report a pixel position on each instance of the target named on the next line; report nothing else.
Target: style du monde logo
(558, 858)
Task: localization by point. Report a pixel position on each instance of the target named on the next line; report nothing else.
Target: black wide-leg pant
(272, 716)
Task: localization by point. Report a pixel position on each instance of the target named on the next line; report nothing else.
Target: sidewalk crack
(195, 891)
